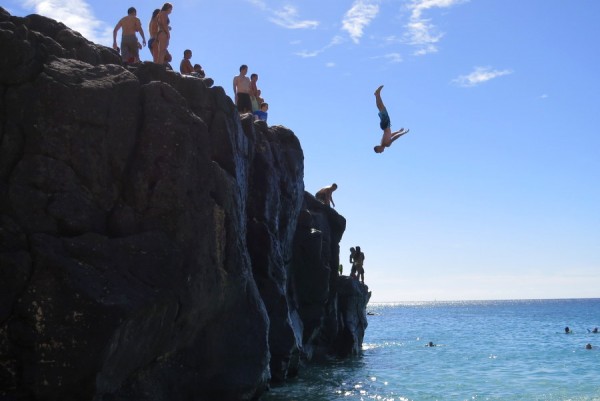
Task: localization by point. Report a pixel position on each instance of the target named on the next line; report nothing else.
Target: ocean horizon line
(458, 301)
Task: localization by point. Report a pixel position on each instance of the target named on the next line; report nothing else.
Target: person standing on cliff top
(153, 31)
(325, 195)
(163, 35)
(129, 42)
(353, 268)
(384, 122)
(241, 90)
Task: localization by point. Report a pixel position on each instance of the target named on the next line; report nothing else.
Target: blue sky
(494, 193)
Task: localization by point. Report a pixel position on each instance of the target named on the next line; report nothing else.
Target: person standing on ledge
(153, 30)
(130, 47)
(241, 90)
(384, 122)
(359, 270)
(163, 35)
(325, 195)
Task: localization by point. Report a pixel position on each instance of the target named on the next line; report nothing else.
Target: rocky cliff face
(153, 244)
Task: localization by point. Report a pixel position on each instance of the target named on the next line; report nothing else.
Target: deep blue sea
(485, 350)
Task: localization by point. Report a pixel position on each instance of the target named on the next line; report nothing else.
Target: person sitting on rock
(185, 67)
(325, 195)
(384, 123)
(262, 114)
(198, 71)
(129, 41)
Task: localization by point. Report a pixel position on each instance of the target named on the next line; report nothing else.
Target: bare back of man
(130, 24)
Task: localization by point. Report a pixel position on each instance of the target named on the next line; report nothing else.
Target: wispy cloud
(258, 3)
(544, 96)
(334, 42)
(479, 76)
(391, 58)
(330, 64)
(392, 39)
(358, 17)
(286, 17)
(77, 15)
(421, 32)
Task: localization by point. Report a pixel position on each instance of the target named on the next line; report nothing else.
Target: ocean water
(485, 350)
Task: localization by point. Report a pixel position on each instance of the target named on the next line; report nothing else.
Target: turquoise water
(486, 350)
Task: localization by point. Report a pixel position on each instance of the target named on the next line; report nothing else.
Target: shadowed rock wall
(153, 244)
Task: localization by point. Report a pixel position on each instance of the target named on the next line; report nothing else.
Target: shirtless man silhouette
(388, 136)
(241, 90)
(129, 42)
(325, 195)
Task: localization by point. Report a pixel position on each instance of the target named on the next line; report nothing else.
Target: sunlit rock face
(153, 244)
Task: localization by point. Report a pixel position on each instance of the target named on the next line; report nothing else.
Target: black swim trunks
(244, 104)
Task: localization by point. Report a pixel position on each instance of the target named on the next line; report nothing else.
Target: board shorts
(129, 48)
(384, 119)
(243, 102)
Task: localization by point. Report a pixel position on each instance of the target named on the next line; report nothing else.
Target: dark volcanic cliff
(153, 245)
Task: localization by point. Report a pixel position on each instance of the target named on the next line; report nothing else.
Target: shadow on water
(323, 381)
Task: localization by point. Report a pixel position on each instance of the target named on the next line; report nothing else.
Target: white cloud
(391, 58)
(307, 54)
(421, 32)
(392, 39)
(544, 96)
(286, 17)
(330, 64)
(77, 15)
(479, 76)
(358, 17)
(258, 3)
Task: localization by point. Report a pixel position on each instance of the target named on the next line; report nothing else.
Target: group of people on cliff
(158, 44)
(160, 35)
(247, 95)
(357, 257)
